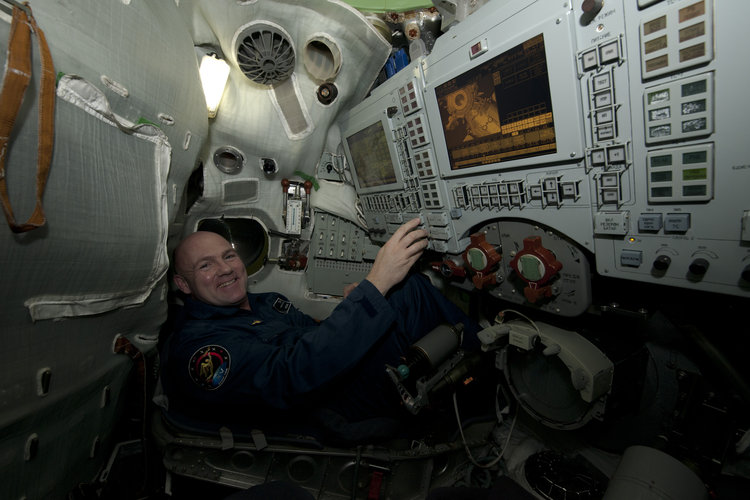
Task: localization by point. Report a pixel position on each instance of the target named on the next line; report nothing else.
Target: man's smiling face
(209, 269)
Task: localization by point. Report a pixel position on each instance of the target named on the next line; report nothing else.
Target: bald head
(209, 268)
(192, 243)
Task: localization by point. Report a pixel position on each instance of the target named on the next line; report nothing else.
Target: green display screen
(699, 190)
(694, 174)
(661, 192)
(694, 157)
(665, 176)
(693, 88)
(661, 161)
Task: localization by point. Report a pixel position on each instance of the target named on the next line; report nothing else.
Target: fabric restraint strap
(17, 78)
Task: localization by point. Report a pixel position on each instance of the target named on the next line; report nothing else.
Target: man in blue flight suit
(238, 355)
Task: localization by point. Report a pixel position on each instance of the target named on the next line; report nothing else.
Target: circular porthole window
(228, 160)
(248, 236)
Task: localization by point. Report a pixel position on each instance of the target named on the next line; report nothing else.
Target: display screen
(371, 156)
(499, 110)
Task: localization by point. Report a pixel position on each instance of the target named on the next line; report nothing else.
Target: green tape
(308, 177)
(143, 120)
(389, 5)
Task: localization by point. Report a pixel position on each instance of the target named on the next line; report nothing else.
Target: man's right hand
(397, 256)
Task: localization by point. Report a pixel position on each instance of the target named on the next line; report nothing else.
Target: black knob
(269, 166)
(662, 262)
(699, 267)
(745, 275)
(590, 8)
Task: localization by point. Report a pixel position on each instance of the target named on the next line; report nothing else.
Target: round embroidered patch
(209, 367)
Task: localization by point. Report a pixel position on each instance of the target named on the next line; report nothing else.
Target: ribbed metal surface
(265, 55)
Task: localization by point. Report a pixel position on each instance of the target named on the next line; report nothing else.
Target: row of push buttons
(677, 223)
(609, 188)
(504, 194)
(400, 202)
(671, 223)
(605, 53)
(604, 120)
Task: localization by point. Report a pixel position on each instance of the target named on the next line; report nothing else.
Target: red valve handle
(534, 263)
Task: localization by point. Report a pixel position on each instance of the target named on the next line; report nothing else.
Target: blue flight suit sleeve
(286, 355)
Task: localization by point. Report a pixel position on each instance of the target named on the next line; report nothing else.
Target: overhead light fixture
(214, 74)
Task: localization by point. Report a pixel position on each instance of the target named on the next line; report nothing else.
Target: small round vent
(265, 54)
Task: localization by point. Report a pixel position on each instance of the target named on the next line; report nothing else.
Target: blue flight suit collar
(201, 310)
(365, 292)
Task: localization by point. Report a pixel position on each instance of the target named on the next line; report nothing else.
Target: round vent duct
(265, 54)
(322, 58)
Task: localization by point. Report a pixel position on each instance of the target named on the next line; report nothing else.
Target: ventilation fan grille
(265, 55)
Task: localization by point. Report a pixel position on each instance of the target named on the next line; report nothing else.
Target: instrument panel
(607, 136)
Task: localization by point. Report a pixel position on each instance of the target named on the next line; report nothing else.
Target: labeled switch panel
(554, 191)
(617, 124)
(431, 195)
(608, 157)
(603, 108)
(650, 223)
(417, 131)
(410, 98)
(505, 194)
(676, 223)
(337, 238)
(631, 258)
(679, 37)
(424, 163)
(681, 174)
(341, 254)
(681, 109)
(609, 52)
(608, 188)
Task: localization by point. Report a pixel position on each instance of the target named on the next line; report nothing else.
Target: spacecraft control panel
(539, 136)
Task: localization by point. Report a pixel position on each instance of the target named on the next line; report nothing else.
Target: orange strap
(17, 77)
